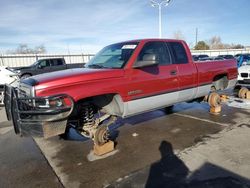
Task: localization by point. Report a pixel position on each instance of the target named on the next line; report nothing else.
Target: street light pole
(155, 3)
(160, 31)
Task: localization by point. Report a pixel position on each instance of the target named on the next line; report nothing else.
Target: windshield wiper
(97, 66)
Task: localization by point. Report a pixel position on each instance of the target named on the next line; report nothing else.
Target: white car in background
(6, 77)
(244, 73)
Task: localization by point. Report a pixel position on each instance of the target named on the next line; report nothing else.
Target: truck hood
(21, 68)
(71, 76)
(245, 68)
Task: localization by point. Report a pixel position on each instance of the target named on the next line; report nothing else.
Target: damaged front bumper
(37, 116)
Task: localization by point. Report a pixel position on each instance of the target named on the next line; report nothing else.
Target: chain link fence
(220, 52)
(17, 60)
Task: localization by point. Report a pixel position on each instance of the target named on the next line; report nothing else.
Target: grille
(244, 75)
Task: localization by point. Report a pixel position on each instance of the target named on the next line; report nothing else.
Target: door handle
(173, 72)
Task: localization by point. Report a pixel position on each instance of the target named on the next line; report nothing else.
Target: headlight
(52, 102)
(49, 103)
(26, 90)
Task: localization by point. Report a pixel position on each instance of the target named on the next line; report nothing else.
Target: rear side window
(56, 62)
(159, 49)
(179, 53)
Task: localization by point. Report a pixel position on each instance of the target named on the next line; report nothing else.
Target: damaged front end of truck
(36, 116)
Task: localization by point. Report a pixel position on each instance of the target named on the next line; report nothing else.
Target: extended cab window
(159, 49)
(56, 62)
(179, 53)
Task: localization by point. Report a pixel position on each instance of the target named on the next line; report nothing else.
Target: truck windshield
(113, 56)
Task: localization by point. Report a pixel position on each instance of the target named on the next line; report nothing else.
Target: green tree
(201, 45)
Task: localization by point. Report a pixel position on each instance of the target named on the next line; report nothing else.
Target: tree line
(25, 49)
(212, 44)
(216, 43)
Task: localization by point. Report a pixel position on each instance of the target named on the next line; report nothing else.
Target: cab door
(43, 66)
(186, 72)
(155, 86)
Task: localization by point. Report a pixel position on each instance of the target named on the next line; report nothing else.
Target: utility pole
(159, 4)
(196, 36)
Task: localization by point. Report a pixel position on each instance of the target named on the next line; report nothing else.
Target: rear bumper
(35, 116)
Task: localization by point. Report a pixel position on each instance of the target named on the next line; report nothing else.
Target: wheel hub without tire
(214, 100)
(101, 135)
(243, 93)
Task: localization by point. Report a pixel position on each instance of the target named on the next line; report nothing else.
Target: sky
(85, 26)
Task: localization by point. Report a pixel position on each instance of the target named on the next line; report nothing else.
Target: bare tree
(40, 49)
(215, 43)
(236, 46)
(179, 35)
(24, 49)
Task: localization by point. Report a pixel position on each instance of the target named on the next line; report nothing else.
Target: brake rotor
(101, 135)
(243, 93)
(214, 100)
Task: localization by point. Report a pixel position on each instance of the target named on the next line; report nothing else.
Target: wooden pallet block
(224, 98)
(215, 110)
(248, 95)
(103, 149)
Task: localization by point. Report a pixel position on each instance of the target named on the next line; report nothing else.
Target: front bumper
(37, 116)
(244, 81)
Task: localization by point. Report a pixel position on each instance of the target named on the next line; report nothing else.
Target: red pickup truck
(123, 79)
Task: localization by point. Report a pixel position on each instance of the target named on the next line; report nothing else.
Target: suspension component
(93, 125)
(87, 120)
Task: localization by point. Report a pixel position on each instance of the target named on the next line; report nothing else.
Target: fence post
(83, 58)
(89, 57)
(2, 63)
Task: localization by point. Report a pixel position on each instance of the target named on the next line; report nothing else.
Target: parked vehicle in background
(6, 77)
(226, 56)
(244, 73)
(237, 55)
(199, 57)
(123, 79)
(243, 59)
(211, 58)
(44, 66)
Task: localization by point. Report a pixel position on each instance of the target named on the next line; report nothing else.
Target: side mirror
(39, 66)
(147, 60)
